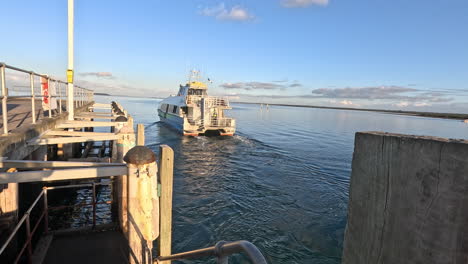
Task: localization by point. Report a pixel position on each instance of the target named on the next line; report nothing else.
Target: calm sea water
(281, 182)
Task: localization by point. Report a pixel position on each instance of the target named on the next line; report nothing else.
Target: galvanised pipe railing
(81, 95)
(222, 250)
(44, 216)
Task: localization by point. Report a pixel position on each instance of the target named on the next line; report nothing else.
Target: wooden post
(123, 145)
(143, 203)
(141, 135)
(166, 168)
(9, 205)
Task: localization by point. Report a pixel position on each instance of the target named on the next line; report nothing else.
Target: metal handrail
(44, 215)
(82, 95)
(209, 100)
(221, 122)
(222, 250)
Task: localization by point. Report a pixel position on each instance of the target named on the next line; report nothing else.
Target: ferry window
(174, 110)
(167, 108)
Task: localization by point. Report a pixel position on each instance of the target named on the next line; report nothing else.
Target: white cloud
(303, 3)
(346, 102)
(402, 104)
(421, 104)
(253, 86)
(220, 12)
(107, 75)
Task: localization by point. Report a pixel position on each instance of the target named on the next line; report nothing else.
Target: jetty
(83, 145)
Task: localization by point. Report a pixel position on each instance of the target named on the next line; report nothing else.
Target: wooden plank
(75, 133)
(166, 168)
(140, 135)
(78, 124)
(95, 117)
(101, 105)
(96, 114)
(63, 174)
(31, 164)
(65, 140)
(92, 159)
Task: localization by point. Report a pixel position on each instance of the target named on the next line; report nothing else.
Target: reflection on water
(281, 182)
(71, 208)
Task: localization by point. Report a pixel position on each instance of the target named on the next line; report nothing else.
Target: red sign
(45, 93)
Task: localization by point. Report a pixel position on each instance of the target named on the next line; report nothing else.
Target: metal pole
(50, 97)
(70, 104)
(4, 100)
(29, 238)
(46, 210)
(33, 99)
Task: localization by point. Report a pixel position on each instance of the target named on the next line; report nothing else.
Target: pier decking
(88, 247)
(20, 113)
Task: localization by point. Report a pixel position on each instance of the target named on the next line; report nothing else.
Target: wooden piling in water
(125, 142)
(166, 168)
(140, 135)
(143, 203)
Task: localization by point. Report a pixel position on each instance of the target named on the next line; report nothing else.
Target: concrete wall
(408, 200)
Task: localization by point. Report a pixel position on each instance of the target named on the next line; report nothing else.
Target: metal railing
(213, 122)
(210, 101)
(82, 96)
(222, 250)
(221, 122)
(44, 216)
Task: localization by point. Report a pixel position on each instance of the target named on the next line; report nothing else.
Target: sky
(391, 54)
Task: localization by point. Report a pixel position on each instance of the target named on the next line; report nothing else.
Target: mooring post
(125, 142)
(130, 120)
(140, 135)
(166, 168)
(143, 203)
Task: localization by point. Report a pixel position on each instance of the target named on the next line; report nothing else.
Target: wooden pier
(48, 151)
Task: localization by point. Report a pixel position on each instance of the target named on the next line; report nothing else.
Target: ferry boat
(194, 113)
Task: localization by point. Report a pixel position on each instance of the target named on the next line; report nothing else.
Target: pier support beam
(125, 142)
(143, 203)
(408, 200)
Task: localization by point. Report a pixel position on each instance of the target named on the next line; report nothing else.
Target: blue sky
(360, 53)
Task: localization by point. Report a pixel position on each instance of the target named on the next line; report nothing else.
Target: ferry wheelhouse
(194, 113)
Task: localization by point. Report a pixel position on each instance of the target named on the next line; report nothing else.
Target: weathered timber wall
(408, 200)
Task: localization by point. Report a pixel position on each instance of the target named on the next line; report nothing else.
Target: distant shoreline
(455, 116)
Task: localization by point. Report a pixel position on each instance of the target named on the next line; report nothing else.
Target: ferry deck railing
(221, 122)
(44, 217)
(213, 122)
(81, 97)
(210, 101)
